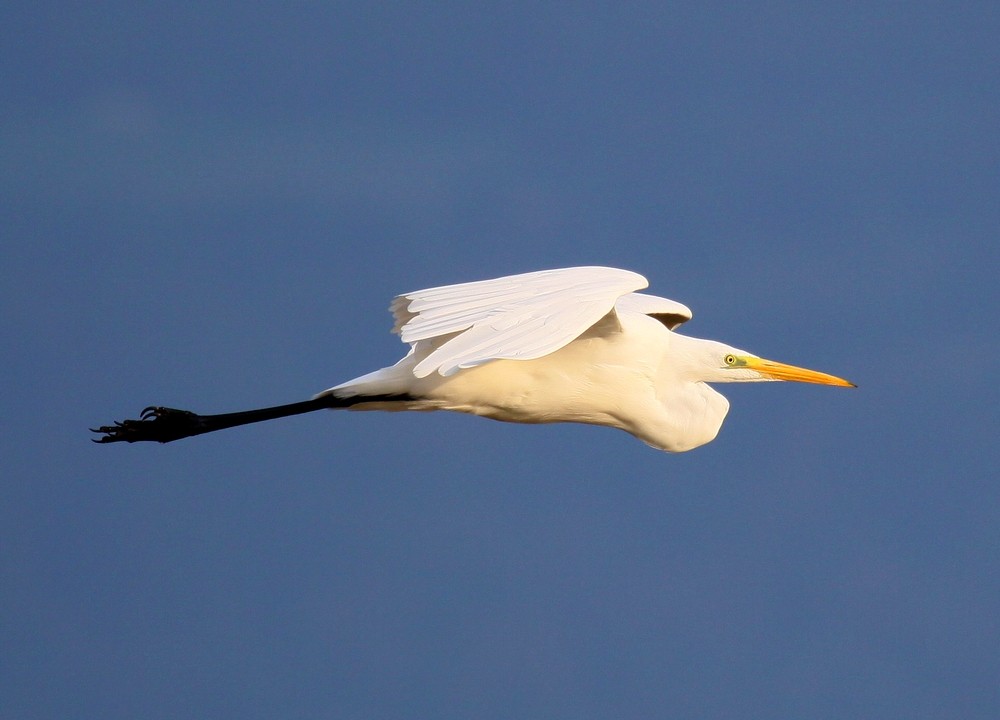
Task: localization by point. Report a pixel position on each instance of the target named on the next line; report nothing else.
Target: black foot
(155, 424)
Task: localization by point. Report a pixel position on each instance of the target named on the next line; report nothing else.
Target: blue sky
(210, 207)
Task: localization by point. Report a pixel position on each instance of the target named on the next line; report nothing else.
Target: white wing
(520, 317)
(670, 312)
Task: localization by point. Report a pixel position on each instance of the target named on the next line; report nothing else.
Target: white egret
(570, 345)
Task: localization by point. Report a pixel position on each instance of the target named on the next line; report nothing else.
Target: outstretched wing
(520, 317)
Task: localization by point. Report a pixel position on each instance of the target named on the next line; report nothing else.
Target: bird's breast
(582, 382)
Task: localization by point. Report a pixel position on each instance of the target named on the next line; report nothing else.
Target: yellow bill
(781, 371)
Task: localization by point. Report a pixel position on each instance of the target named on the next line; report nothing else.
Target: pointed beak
(781, 371)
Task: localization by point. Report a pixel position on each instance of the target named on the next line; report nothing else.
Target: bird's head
(745, 367)
(713, 361)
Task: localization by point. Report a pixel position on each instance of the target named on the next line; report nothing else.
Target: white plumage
(569, 345)
(521, 317)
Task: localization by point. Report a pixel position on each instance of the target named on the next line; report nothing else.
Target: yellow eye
(730, 360)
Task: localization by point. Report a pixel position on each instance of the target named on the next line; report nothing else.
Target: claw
(155, 423)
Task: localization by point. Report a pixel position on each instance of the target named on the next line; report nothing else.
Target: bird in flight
(570, 345)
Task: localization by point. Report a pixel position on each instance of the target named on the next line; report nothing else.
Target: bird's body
(615, 378)
(570, 345)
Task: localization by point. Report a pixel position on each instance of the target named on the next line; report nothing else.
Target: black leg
(163, 424)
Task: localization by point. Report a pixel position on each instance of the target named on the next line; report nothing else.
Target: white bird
(570, 345)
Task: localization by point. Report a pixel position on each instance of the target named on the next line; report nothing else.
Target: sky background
(209, 206)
